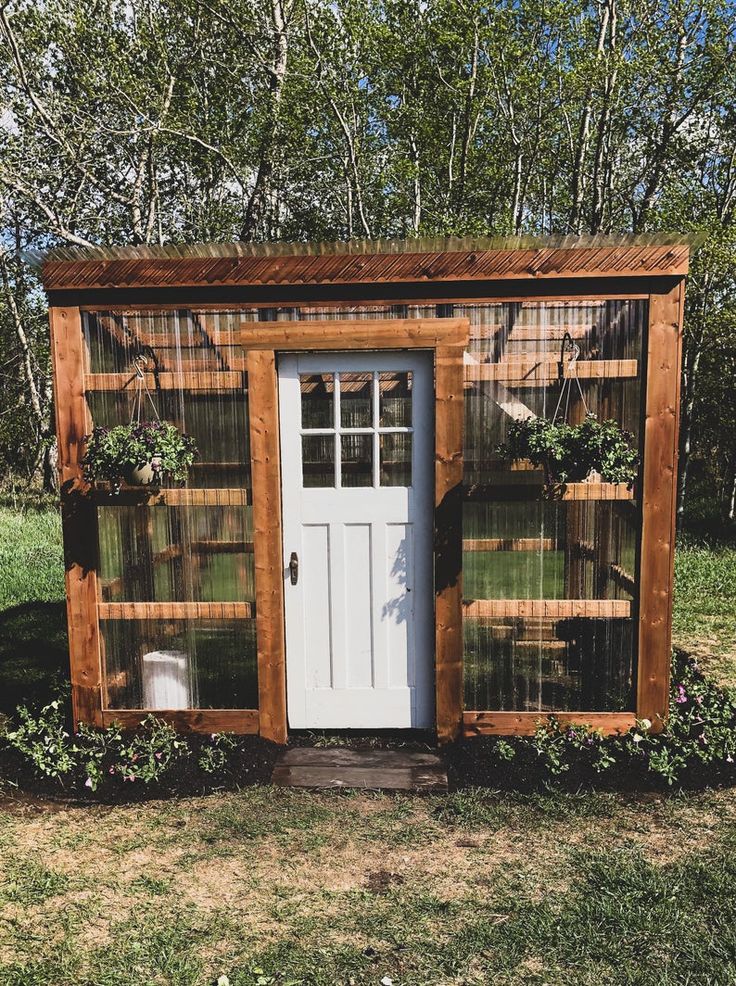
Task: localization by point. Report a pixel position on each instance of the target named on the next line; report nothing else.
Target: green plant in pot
(574, 453)
(139, 454)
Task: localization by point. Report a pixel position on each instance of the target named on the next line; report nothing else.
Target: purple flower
(681, 696)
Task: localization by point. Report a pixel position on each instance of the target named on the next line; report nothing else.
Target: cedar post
(658, 498)
(79, 516)
(449, 426)
(267, 551)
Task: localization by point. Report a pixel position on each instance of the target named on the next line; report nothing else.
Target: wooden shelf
(130, 496)
(528, 371)
(554, 609)
(526, 723)
(201, 380)
(530, 490)
(509, 544)
(189, 720)
(176, 611)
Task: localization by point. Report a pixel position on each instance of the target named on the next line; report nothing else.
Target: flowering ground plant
(696, 742)
(112, 454)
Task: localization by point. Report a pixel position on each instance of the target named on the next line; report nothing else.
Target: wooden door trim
(447, 338)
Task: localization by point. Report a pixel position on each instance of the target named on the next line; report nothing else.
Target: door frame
(446, 339)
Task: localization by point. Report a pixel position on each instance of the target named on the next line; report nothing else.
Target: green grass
(704, 619)
(271, 886)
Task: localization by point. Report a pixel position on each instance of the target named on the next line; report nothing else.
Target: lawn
(269, 886)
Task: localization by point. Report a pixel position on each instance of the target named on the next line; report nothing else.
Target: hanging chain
(568, 373)
(140, 364)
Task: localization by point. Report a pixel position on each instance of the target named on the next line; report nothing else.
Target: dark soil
(250, 763)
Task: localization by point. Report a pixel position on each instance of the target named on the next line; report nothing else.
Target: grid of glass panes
(356, 428)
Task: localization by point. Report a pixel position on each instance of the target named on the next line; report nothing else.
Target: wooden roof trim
(632, 259)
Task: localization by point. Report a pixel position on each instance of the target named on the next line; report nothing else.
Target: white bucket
(166, 680)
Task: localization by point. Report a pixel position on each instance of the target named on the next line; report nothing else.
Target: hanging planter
(592, 451)
(141, 453)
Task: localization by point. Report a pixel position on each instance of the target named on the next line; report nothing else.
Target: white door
(357, 439)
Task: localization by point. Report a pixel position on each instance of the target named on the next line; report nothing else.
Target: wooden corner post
(449, 426)
(266, 485)
(658, 498)
(79, 515)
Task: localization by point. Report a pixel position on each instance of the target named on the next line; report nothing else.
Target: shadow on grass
(33, 653)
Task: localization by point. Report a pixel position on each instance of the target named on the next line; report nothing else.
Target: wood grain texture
(536, 372)
(340, 756)
(267, 542)
(449, 426)
(525, 723)
(363, 778)
(368, 262)
(389, 333)
(105, 496)
(175, 611)
(199, 380)
(79, 517)
(528, 487)
(659, 493)
(548, 608)
(509, 544)
(241, 721)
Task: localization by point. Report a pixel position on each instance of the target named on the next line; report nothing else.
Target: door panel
(357, 491)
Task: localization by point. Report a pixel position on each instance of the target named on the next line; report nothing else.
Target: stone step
(369, 770)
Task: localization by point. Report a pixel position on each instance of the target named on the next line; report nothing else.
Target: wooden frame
(447, 338)
(558, 273)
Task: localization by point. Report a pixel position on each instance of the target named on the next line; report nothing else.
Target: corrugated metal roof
(359, 261)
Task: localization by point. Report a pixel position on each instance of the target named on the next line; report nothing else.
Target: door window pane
(357, 460)
(356, 400)
(395, 399)
(396, 459)
(318, 460)
(318, 391)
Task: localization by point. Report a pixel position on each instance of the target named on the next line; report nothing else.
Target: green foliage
(43, 739)
(213, 758)
(112, 453)
(698, 738)
(569, 453)
(94, 757)
(148, 754)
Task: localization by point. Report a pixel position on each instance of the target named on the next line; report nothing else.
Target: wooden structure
(541, 602)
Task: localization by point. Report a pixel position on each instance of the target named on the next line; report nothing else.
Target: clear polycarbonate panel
(522, 545)
(193, 367)
(180, 664)
(216, 420)
(174, 554)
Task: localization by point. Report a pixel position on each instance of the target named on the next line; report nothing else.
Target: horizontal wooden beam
(176, 611)
(535, 491)
(388, 333)
(135, 496)
(241, 721)
(555, 609)
(509, 544)
(202, 380)
(528, 371)
(526, 723)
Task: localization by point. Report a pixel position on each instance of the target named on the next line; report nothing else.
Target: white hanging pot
(146, 474)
